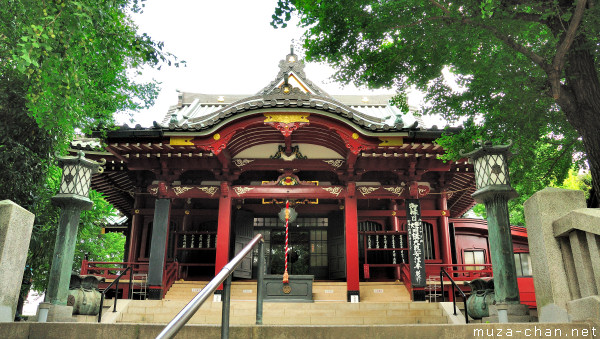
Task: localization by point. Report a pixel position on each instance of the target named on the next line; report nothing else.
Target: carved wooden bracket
(216, 143)
(354, 142)
(417, 191)
(286, 123)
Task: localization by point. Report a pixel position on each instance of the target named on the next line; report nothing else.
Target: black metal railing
(454, 285)
(224, 277)
(116, 281)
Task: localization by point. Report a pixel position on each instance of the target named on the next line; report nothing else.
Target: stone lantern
(72, 198)
(494, 190)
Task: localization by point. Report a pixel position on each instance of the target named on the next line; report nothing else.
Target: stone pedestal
(550, 278)
(584, 309)
(48, 312)
(16, 224)
(516, 313)
(299, 288)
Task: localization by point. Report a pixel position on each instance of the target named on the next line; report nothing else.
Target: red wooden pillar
(351, 216)
(224, 229)
(134, 234)
(445, 235)
(395, 221)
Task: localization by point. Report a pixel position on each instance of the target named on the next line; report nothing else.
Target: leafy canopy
(65, 67)
(510, 60)
(75, 58)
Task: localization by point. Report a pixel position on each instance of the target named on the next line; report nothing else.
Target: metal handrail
(442, 272)
(175, 325)
(116, 291)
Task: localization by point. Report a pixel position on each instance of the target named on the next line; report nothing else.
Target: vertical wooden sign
(416, 253)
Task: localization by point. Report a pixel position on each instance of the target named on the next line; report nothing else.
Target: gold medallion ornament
(217, 136)
(211, 190)
(242, 162)
(181, 189)
(333, 190)
(335, 163)
(398, 190)
(287, 289)
(242, 190)
(354, 136)
(364, 190)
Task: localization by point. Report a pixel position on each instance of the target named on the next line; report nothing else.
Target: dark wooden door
(243, 226)
(336, 246)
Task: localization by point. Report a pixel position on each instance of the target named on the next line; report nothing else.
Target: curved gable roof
(198, 112)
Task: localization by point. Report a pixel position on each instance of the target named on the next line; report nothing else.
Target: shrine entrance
(307, 246)
(299, 252)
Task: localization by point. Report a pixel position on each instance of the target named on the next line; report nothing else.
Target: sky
(229, 47)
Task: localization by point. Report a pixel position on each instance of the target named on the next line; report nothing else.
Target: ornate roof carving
(199, 112)
(292, 65)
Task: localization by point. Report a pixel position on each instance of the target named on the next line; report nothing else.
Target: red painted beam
(282, 192)
(270, 164)
(402, 213)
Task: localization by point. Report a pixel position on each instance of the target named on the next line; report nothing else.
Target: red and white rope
(287, 221)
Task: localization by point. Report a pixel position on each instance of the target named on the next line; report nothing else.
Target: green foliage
(501, 54)
(74, 58)
(575, 181)
(24, 147)
(64, 68)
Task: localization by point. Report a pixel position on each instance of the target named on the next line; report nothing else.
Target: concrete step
(329, 313)
(322, 291)
(25, 330)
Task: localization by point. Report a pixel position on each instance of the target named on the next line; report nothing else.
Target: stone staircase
(382, 303)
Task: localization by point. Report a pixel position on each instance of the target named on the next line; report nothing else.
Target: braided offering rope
(286, 278)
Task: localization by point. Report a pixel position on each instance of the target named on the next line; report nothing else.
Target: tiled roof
(196, 111)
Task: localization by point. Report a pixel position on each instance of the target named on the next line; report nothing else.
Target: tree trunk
(580, 100)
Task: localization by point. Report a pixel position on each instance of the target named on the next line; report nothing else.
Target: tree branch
(440, 6)
(530, 17)
(418, 22)
(562, 154)
(537, 59)
(559, 58)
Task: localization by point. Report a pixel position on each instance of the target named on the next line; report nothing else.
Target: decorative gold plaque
(286, 118)
(181, 141)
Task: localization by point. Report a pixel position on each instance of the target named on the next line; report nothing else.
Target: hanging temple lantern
(291, 216)
(76, 178)
(491, 168)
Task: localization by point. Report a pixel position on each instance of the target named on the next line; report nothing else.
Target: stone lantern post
(72, 198)
(494, 191)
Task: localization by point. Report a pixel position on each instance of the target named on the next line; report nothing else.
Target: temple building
(218, 169)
